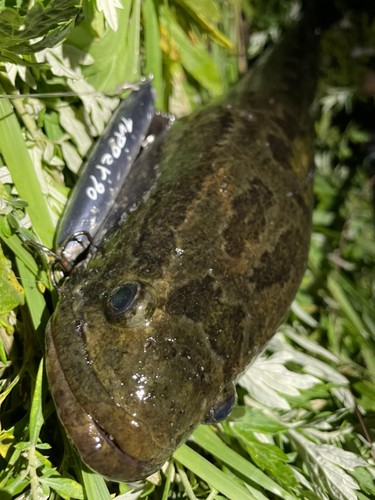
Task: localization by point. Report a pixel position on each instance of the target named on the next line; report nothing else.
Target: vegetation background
(304, 423)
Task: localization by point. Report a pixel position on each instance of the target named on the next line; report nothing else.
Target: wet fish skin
(222, 239)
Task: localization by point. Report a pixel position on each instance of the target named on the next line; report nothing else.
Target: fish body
(148, 339)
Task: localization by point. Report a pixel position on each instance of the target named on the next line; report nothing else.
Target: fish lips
(94, 444)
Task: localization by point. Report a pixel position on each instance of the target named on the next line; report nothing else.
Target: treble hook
(60, 259)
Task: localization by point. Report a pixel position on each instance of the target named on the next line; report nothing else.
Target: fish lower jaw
(133, 462)
(93, 443)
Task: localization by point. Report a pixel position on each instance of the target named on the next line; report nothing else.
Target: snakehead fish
(207, 253)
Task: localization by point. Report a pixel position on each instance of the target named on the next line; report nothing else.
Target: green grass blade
(194, 58)
(36, 414)
(3, 355)
(35, 424)
(133, 60)
(18, 161)
(208, 440)
(11, 386)
(95, 486)
(167, 487)
(358, 330)
(207, 12)
(35, 301)
(340, 297)
(15, 244)
(211, 474)
(153, 51)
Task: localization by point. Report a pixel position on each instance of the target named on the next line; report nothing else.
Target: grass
(304, 420)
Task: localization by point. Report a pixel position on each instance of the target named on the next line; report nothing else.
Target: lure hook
(60, 259)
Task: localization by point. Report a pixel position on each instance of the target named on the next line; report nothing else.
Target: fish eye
(130, 304)
(219, 412)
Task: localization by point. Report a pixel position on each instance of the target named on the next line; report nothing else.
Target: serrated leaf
(76, 129)
(256, 421)
(50, 21)
(345, 459)
(325, 474)
(109, 54)
(308, 344)
(109, 10)
(64, 486)
(71, 157)
(271, 458)
(11, 292)
(284, 352)
(365, 480)
(267, 379)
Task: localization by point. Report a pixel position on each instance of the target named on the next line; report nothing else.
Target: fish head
(130, 376)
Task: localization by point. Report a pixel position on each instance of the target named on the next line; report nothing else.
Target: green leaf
(110, 54)
(11, 292)
(5, 227)
(357, 330)
(49, 20)
(207, 9)
(208, 440)
(36, 414)
(64, 486)
(271, 458)
(211, 474)
(364, 479)
(257, 421)
(19, 163)
(194, 58)
(4, 193)
(3, 355)
(153, 51)
(95, 487)
(132, 64)
(15, 244)
(207, 12)
(35, 300)
(367, 391)
(52, 126)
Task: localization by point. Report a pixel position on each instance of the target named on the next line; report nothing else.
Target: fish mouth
(111, 442)
(95, 445)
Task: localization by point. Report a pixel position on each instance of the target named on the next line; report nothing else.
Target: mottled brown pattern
(248, 219)
(221, 234)
(274, 267)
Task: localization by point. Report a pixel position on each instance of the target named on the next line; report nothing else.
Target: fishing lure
(103, 175)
